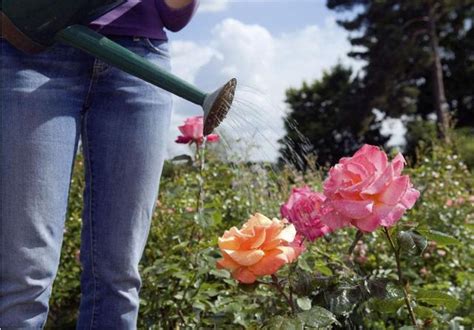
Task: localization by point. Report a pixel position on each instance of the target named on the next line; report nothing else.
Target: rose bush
(183, 289)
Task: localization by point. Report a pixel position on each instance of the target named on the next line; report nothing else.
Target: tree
(328, 118)
(409, 46)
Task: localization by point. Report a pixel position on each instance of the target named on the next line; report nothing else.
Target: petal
(227, 263)
(353, 209)
(256, 241)
(398, 164)
(395, 191)
(183, 139)
(212, 138)
(290, 252)
(287, 234)
(228, 243)
(368, 224)
(356, 169)
(376, 156)
(365, 162)
(335, 220)
(410, 197)
(187, 130)
(236, 232)
(388, 214)
(244, 275)
(268, 265)
(245, 258)
(380, 183)
(285, 211)
(258, 219)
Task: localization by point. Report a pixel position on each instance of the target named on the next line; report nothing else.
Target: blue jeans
(48, 102)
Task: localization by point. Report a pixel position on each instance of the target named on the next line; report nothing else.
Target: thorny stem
(199, 158)
(278, 286)
(400, 277)
(357, 238)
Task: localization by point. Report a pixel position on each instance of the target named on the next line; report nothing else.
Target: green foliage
(330, 289)
(395, 39)
(464, 139)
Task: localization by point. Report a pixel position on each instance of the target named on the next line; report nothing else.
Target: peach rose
(367, 191)
(260, 247)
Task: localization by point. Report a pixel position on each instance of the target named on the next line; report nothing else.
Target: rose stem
(357, 238)
(199, 161)
(278, 286)
(400, 276)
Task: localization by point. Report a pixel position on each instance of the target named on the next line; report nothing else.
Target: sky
(269, 46)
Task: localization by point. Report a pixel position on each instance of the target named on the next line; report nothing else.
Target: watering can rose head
(192, 131)
(259, 248)
(367, 191)
(303, 209)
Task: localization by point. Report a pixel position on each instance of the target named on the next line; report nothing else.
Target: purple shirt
(144, 18)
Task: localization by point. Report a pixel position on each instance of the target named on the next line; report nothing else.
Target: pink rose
(192, 131)
(367, 191)
(303, 210)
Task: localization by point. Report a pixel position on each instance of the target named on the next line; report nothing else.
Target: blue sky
(269, 46)
(277, 16)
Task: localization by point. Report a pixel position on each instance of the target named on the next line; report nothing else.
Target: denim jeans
(49, 102)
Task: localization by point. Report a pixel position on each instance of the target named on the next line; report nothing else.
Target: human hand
(178, 4)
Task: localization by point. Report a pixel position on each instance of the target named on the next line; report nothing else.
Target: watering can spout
(33, 25)
(217, 104)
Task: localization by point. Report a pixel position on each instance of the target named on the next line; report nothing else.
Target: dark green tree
(328, 118)
(418, 53)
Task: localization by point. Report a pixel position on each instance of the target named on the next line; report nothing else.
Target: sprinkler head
(217, 105)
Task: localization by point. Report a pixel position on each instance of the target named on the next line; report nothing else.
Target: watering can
(34, 25)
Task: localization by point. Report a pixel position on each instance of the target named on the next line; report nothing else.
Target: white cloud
(266, 65)
(213, 5)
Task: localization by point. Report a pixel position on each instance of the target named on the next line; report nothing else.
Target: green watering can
(34, 25)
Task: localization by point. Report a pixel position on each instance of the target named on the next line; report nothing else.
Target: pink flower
(303, 210)
(192, 131)
(367, 191)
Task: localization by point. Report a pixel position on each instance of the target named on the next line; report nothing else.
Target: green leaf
(282, 323)
(220, 273)
(304, 303)
(199, 305)
(387, 306)
(323, 269)
(405, 240)
(438, 237)
(317, 317)
(303, 265)
(437, 298)
(412, 242)
(423, 312)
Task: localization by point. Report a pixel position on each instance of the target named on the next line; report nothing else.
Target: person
(49, 102)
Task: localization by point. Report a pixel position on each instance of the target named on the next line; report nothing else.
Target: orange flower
(260, 248)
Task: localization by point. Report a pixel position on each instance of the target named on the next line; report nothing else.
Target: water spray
(34, 25)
